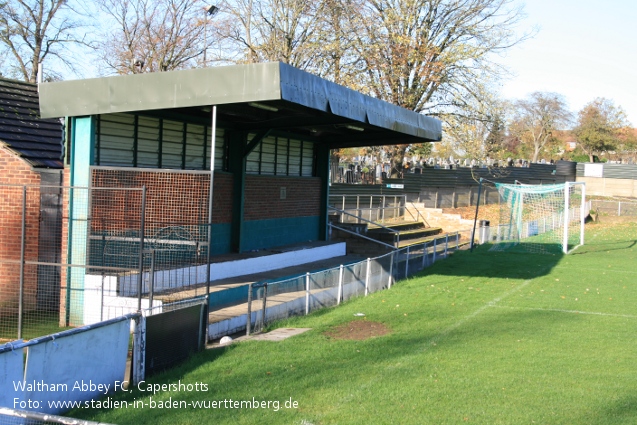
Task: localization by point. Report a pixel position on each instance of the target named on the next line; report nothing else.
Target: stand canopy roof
(255, 97)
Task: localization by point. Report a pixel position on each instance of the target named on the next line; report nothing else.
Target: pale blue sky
(584, 49)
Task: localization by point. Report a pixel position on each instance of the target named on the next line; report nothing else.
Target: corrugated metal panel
(612, 171)
(620, 171)
(181, 145)
(281, 156)
(460, 177)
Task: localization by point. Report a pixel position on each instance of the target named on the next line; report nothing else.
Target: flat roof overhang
(262, 97)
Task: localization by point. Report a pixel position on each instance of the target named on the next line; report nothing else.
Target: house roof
(38, 141)
(253, 97)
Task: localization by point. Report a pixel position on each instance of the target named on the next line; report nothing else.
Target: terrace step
(406, 233)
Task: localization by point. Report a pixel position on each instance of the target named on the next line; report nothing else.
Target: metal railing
(377, 210)
(614, 207)
(396, 234)
(272, 300)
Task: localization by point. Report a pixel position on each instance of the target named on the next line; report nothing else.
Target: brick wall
(263, 197)
(175, 199)
(66, 181)
(14, 171)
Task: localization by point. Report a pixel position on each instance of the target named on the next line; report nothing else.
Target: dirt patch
(485, 212)
(358, 330)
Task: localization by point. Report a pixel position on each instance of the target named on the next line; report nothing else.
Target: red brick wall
(263, 197)
(66, 182)
(171, 199)
(15, 171)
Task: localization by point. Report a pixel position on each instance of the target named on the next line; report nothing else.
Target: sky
(583, 49)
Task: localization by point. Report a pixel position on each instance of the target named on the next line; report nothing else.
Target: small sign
(395, 186)
(593, 170)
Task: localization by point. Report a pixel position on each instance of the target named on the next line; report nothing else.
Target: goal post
(540, 218)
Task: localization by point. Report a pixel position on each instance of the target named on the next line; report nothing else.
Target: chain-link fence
(72, 256)
(269, 301)
(52, 275)
(614, 207)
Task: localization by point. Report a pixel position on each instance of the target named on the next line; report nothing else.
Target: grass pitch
(482, 338)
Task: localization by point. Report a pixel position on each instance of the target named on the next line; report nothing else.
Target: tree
(38, 31)
(152, 35)
(600, 126)
(272, 30)
(434, 56)
(537, 117)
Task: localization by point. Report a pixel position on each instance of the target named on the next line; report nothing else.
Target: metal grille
(175, 228)
(71, 256)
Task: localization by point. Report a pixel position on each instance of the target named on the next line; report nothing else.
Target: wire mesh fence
(71, 256)
(269, 301)
(614, 207)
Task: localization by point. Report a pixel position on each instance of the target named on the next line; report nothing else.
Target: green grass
(480, 338)
(34, 324)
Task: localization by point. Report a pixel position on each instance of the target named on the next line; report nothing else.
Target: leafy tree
(152, 35)
(536, 119)
(600, 126)
(434, 56)
(38, 31)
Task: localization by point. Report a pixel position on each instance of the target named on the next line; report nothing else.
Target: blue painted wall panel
(259, 234)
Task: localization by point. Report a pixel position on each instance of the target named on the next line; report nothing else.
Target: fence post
(151, 283)
(367, 277)
(249, 318)
(263, 305)
(340, 285)
(383, 210)
(22, 253)
(407, 264)
(142, 224)
(446, 244)
(391, 271)
(424, 255)
(358, 209)
(343, 209)
(433, 260)
(307, 293)
(139, 351)
(457, 240)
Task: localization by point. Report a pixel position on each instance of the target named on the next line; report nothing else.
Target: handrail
(395, 232)
(419, 215)
(342, 229)
(382, 208)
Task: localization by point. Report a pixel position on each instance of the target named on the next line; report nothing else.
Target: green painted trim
(235, 140)
(221, 241)
(263, 234)
(322, 171)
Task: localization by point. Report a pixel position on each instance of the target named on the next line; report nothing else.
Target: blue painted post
(83, 142)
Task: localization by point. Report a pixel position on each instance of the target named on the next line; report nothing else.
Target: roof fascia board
(161, 90)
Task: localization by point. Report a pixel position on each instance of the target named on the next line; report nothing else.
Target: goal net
(540, 218)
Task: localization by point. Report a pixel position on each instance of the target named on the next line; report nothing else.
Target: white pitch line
(434, 340)
(557, 310)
